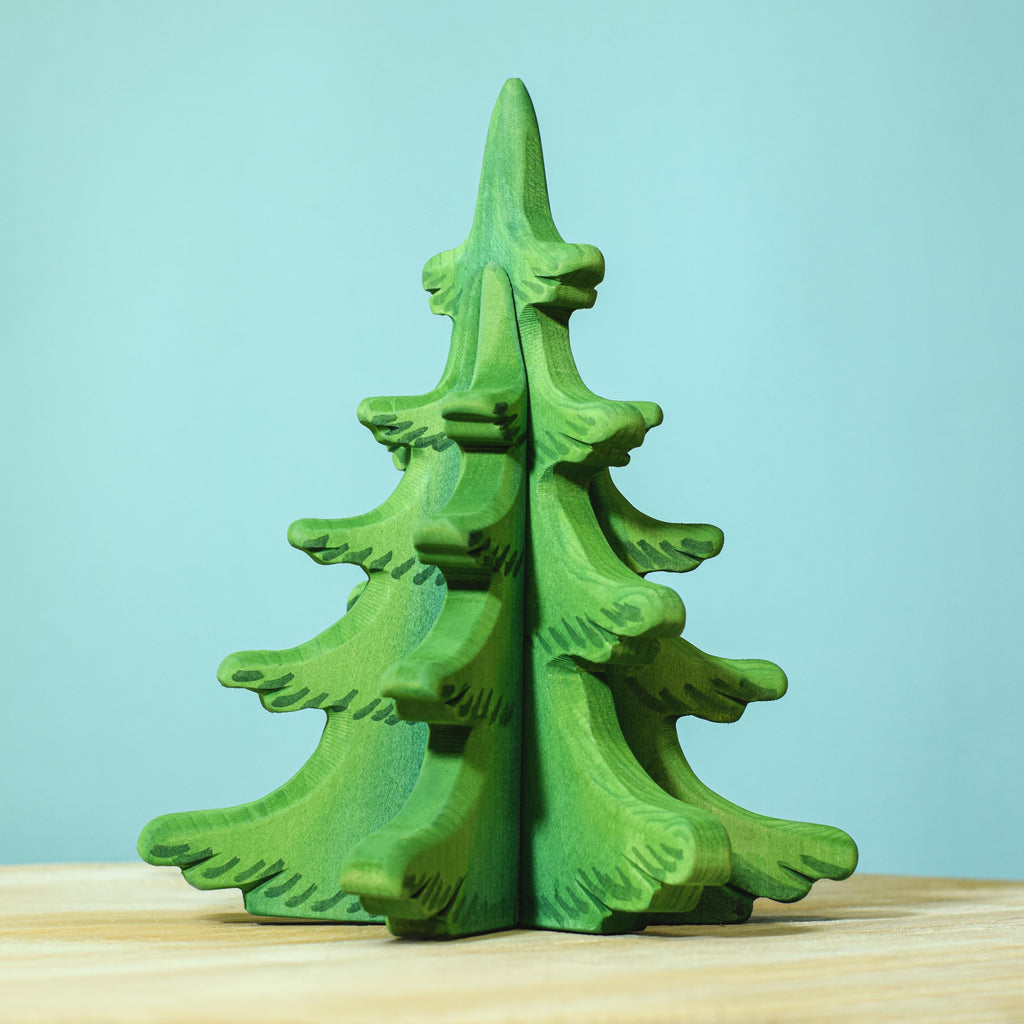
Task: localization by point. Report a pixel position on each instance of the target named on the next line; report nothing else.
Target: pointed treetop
(512, 224)
(513, 189)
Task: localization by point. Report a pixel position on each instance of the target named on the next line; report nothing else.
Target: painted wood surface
(99, 943)
(501, 696)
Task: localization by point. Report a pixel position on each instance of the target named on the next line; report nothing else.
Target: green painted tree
(501, 697)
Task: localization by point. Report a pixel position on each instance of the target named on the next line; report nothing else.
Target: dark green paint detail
(288, 700)
(277, 891)
(222, 870)
(322, 906)
(276, 684)
(247, 677)
(344, 702)
(297, 901)
(379, 563)
(364, 711)
(162, 851)
(244, 876)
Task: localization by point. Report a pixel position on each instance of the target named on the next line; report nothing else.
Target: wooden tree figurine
(502, 693)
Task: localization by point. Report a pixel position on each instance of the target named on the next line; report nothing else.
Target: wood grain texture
(127, 943)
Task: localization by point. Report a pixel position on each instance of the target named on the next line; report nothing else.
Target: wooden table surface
(129, 943)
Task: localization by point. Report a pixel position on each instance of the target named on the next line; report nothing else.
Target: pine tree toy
(501, 695)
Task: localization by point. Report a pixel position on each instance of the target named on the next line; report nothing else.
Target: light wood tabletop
(126, 943)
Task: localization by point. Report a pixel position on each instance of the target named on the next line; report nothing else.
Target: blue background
(214, 220)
